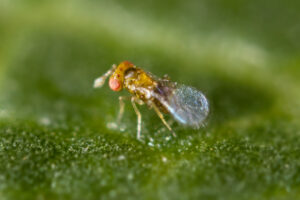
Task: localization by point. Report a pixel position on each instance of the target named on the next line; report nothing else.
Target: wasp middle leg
(139, 117)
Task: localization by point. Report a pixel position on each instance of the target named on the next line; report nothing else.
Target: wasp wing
(186, 104)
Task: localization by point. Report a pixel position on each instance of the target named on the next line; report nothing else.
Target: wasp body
(187, 105)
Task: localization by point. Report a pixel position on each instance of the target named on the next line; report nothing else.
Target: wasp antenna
(99, 82)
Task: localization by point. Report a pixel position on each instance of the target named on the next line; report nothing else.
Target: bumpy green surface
(54, 138)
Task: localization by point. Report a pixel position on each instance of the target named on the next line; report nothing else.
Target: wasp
(185, 104)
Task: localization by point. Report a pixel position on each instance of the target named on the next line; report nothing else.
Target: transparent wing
(187, 105)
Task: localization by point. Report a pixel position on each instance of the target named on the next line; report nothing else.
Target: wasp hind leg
(160, 115)
(139, 118)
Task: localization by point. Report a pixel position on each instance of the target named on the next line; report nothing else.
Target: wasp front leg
(122, 106)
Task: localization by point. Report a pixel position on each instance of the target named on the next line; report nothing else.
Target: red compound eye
(114, 84)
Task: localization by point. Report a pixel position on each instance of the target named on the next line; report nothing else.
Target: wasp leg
(160, 115)
(139, 118)
(122, 106)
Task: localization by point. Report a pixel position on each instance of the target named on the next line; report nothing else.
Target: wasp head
(117, 78)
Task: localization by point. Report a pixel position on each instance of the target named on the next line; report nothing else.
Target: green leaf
(55, 138)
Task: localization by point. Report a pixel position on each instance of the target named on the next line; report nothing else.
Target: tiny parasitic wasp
(185, 104)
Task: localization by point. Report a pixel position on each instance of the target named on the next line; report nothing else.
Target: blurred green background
(54, 139)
